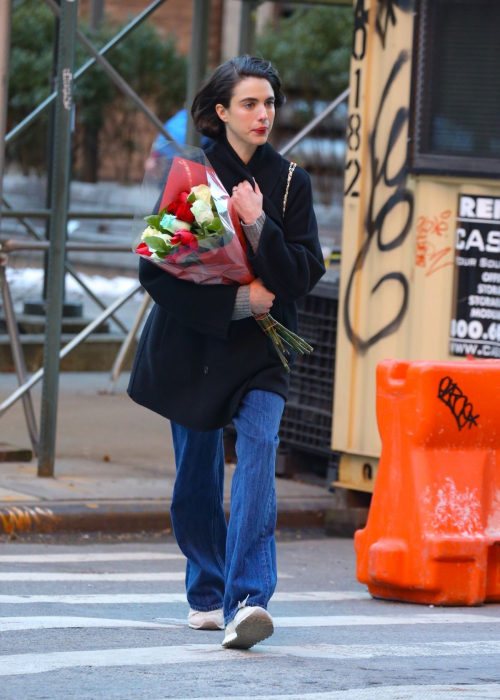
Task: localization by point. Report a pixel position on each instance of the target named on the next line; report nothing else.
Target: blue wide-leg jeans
(235, 565)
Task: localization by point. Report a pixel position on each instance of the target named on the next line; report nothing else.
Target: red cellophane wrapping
(226, 263)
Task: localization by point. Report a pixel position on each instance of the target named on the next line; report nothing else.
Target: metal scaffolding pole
(127, 343)
(96, 13)
(69, 267)
(73, 343)
(197, 62)
(248, 24)
(5, 24)
(17, 353)
(5, 19)
(314, 122)
(58, 225)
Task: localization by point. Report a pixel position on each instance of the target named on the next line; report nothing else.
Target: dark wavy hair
(218, 89)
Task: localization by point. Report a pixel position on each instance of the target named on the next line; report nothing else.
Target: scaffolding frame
(66, 12)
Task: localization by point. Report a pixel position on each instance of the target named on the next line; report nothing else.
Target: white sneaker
(212, 620)
(250, 625)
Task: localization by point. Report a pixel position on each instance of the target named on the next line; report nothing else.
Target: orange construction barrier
(433, 532)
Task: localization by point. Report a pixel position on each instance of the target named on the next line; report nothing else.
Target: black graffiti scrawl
(375, 220)
(386, 15)
(460, 406)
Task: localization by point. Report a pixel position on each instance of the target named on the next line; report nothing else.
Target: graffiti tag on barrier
(460, 406)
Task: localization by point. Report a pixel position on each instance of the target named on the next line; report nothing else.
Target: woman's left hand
(248, 203)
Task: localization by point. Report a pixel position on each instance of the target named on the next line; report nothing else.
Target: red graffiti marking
(435, 257)
(428, 255)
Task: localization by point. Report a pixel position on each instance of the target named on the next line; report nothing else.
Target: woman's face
(250, 114)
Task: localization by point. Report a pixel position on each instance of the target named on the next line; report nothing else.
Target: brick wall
(173, 16)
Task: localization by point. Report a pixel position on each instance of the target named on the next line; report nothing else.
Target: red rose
(187, 238)
(183, 197)
(142, 249)
(173, 207)
(184, 237)
(184, 213)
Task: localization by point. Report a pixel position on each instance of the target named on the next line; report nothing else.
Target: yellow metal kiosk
(420, 275)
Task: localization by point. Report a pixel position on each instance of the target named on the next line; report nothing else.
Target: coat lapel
(265, 166)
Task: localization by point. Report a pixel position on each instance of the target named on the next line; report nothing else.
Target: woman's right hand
(261, 299)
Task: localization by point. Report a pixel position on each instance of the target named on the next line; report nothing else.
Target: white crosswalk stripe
(397, 692)
(164, 598)
(79, 557)
(438, 618)
(85, 578)
(26, 664)
(15, 624)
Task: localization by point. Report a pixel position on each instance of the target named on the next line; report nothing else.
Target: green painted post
(58, 223)
(198, 58)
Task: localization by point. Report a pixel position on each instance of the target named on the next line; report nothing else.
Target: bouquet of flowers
(196, 235)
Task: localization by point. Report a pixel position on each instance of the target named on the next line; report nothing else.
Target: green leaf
(153, 220)
(191, 198)
(216, 225)
(157, 244)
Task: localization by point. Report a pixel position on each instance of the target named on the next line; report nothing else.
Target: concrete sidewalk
(114, 470)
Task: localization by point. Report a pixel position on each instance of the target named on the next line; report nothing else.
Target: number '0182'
(354, 142)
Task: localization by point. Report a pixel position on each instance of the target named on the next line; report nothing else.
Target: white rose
(202, 211)
(202, 192)
(149, 231)
(165, 236)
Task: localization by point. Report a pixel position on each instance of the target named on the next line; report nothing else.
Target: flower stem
(281, 336)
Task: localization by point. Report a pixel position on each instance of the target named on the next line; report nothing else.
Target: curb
(13, 453)
(151, 516)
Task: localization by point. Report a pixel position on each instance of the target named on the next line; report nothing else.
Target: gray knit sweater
(242, 304)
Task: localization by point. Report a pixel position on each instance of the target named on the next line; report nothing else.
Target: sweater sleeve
(253, 231)
(242, 308)
(206, 308)
(289, 259)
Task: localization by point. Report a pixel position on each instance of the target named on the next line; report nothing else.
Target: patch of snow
(28, 282)
(456, 510)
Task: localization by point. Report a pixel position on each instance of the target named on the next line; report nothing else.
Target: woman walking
(203, 360)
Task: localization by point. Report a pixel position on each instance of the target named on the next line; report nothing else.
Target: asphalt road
(106, 620)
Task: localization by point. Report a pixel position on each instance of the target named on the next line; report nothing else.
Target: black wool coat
(194, 364)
